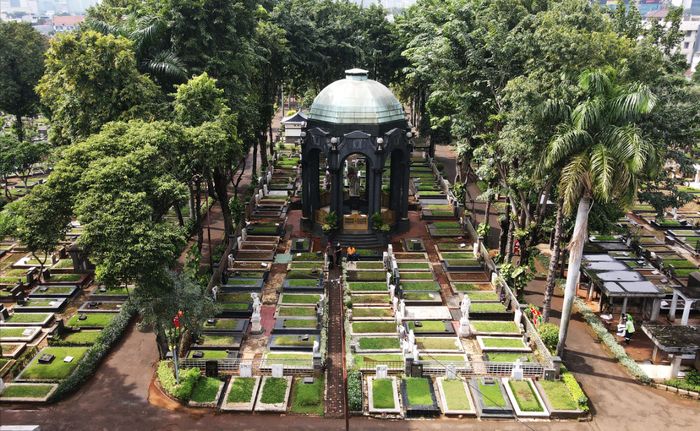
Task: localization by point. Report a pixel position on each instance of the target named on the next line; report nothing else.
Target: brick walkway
(335, 401)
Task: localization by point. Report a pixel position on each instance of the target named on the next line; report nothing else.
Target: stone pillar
(655, 310)
(337, 194)
(624, 305)
(402, 215)
(686, 312)
(676, 365)
(674, 306)
(375, 191)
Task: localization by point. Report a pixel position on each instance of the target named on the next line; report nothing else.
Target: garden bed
(439, 344)
(512, 344)
(23, 319)
(308, 398)
(491, 399)
(240, 394)
(419, 397)
(274, 394)
(377, 344)
(12, 350)
(491, 327)
(28, 392)
(383, 396)
(524, 398)
(206, 392)
(372, 313)
(430, 327)
(294, 342)
(57, 369)
(455, 397)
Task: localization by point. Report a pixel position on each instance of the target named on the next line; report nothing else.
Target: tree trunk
(509, 243)
(505, 228)
(19, 127)
(578, 239)
(221, 191)
(198, 214)
(254, 171)
(240, 177)
(263, 151)
(553, 261)
(191, 203)
(178, 213)
(487, 211)
(272, 139)
(161, 341)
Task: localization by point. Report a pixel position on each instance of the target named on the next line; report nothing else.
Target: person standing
(330, 255)
(629, 328)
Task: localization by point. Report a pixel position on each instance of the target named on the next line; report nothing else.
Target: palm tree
(602, 155)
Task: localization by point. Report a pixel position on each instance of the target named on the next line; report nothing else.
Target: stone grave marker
(517, 371)
(382, 371)
(277, 370)
(245, 369)
(450, 371)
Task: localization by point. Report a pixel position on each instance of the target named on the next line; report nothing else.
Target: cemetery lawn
(57, 369)
(467, 287)
(241, 390)
(367, 286)
(483, 296)
(436, 343)
(370, 360)
(487, 307)
(371, 312)
(28, 317)
(274, 390)
(299, 298)
(421, 296)
(455, 395)
(289, 359)
(65, 277)
(427, 326)
(379, 343)
(414, 266)
(18, 390)
(426, 275)
(205, 390)
(383, 393)
(508, 356)
(296, 311)
(211, 354)
(513, 343)
(495, 326)
(302, 283)
(369, 275)
(82, 337)
(558, 395)
(418, 391)
(308, 398)
(293, 340)
(525, 396)
(491, 394)
(430, 286)
(98, 320)
(300, 323)
(8, 331)
(373, 327)
(222, 324)
(370, 299)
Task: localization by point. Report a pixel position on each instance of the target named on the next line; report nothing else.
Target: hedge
(188, 379)
(88, 364)
(355, 391)
(575, 390)
(606, 338)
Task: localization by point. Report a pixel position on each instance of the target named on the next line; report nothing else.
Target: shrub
(549, 333)
(183, 390)
(92, 358)
(355, 391)
(575, 390)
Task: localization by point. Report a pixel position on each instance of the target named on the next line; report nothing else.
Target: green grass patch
(81, 338)
(422, 296)
(436, 343)
(367, 275)
(297, 298)
(470, 287)
(369, 265)
(418, 391)
(383, 393)
(300, 323)
(57, 369)
(525, 396)
(508, 357)
(222, 324)
(379, 343)
(427, 326)
(293, 340)
(414, 266)
(19, 390)
(241, 390)
(426, 275)
(558, 395)
(487, 307)
(373, 327)
(370, 360)
(491, 394)
(429, 286)
(360, 312)
(502, 342)
(483, 296)
(455, 395)
(289, 359)
(14, 332)
(274, 390)
(28, 317)
(205, 390)
(308, 398)
(211, 354)
(370, 299)
(98, 320)
(65, 277)
(296, 311)
(367, 286)
(495, 326)
(302, 283)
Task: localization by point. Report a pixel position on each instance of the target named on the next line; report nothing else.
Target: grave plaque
(245, 369)
(450, 372)
(211, 369)
(517, 372)
(381, 371)
(277, 370)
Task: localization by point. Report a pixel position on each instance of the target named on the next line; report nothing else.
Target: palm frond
(149, 29)
(629, 105)
(588, 114)
(555, 110)
(104, 27)
(166, 65)
(574, 181)
(596, 81)
(602, 172)
(566, 142)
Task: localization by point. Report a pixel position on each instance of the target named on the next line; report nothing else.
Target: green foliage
(274, 390)
(308, 398)
(22, 51)
(331, 222)
(383, 393)
(691, 381)
(188, 380)
(418, 391)
(575, 390)
(205, 390)
(355, 391)
(549, 333)
(90, 80)
(241, 390)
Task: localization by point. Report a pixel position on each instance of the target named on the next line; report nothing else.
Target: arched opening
(356, 176)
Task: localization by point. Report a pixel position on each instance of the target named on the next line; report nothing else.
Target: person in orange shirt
(351, 253)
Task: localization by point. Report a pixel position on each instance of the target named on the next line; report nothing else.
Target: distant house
(62, 23)
(292, 127)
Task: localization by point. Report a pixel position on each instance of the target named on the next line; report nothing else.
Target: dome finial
(356, 74)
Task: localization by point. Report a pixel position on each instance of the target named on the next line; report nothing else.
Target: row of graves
(18, 185)
(434, 333)
(264, 383)
(641, 280)
(48, 319)
(678, 227)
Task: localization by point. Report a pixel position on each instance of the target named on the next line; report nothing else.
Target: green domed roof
(356, 100)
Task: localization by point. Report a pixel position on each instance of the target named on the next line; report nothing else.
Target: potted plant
(331, 222)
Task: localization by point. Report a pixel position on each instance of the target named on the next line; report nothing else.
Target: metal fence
(471, 368)
(260, 366)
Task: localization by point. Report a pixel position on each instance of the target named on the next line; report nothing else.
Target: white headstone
(265, 191)
(390, 250)
(494, 277)
(395, 304)
(450, 372)
(415, 352)
(214, 291)
(464, 306)
(257, 199)
(245, 369)
(316, 347)
(392, 290)
(402, 308)
(517, 372)
(381, 372)
(464, 328)
(231, 260)
(411, 337)
(518, 316)
(402, 332)
(277, 370)
(475, 246)
(244, 233)
(388, 278)
(398, 316)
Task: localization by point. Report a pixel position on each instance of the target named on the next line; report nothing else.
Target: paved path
(335, 401)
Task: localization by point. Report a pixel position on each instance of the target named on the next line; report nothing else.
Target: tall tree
(90, 80)
(603, 155)
(21, 65)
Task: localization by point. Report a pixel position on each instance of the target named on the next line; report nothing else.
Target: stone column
(655, 309)
(674, 306)
(375, 191)
(676, 365)
(402, 215)
(686, 312)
